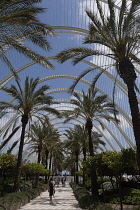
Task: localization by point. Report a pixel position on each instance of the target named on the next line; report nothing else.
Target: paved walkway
(64, 200)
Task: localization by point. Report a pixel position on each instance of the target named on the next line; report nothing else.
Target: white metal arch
(109, 143)
(66, 90)
(88, 83)
(113, 136)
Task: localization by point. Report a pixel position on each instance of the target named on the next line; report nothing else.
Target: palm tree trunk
(128, 74)
(46, 157)
(94, 185)
(50, 164)
(135, 118)
(84, 159)
(38, 160)
(24, 121)
(89, 128)
(76, 162)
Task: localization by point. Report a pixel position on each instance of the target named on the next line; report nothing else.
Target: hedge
(82, 195)
(13, 201)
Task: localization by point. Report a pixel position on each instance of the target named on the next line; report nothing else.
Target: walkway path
(64, 200)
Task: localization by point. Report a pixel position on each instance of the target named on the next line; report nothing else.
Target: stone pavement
(64, 199)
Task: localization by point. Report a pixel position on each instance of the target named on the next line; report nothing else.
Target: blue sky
(67, 13)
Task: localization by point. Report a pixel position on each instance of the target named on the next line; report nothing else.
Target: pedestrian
(62, 181)
(54, 183)
(58, 180)
(51, 189)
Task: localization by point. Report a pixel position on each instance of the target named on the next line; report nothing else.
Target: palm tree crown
(19, 21)
(119, 33)
(90, 107)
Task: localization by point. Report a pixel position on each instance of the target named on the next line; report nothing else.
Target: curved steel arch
(88, 83)
(118, 83)
(113, 136)
(84, 33)
(121, 131)
(99, 132)
(123, 134)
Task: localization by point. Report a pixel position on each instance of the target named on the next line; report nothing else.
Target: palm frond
(100, 11)
(135, 58)
(123, 10)
(8, 63)
(96, 79)
(12, 146)
(94, 19)
(21, 48)
(10, 136)
(136, 88)
(113, 96)
(129, 20)
(71, 89)
(112, 19)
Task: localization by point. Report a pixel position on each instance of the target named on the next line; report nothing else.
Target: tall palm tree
(90, 107)
(28, 102)
(19, 22)
(41, 137)
(73, 144)
(35, 137)
(51, 148)
(58, 157)
(119, 33)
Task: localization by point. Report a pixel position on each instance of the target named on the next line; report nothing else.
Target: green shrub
(136, 208)
(14, 201)
(100, 206)
(82, 195)
(2, 207)
(108, 186)
(130, 197)
(11, 202)
(30, 193)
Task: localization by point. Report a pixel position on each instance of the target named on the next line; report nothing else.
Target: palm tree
(51, 148)
(119, 33)
(28, 103)
(90, 107)
(97, 141)
(41, 137)
(36, 136)
(58, 157)
(19, 22)
(73, 143)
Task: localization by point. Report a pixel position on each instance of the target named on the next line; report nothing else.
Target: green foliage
(7, 170)
(14, 201)
(111, 163)
(130, 197)
(2, 207)
(11, 202)
(88, 164)
(82, 195)
(34, 168)
(100, 206)
(136, 208)
(7, 160)
(79, 173)
(129, 161)
(113, 160)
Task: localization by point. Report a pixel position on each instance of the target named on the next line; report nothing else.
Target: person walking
(51, 189)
